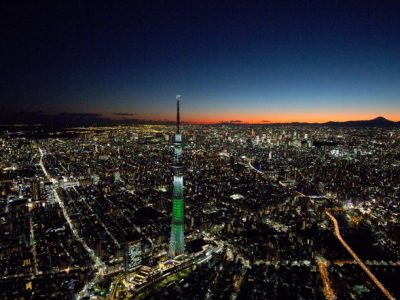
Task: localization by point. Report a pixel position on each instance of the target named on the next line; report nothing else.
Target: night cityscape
(200, 150)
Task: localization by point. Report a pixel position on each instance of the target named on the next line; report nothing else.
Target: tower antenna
(178, 117)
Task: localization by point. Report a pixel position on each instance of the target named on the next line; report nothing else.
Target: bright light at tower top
(178, 97)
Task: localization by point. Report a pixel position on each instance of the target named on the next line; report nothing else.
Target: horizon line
(22, 118)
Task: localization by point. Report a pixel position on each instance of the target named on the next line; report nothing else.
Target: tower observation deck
(177, 242)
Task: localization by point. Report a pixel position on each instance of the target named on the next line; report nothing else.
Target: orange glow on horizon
(322, 117)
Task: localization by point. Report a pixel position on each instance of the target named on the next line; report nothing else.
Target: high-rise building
(35, 189)
(133, 255)
(177, 242)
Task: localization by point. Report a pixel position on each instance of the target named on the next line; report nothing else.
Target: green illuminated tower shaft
(177, 242)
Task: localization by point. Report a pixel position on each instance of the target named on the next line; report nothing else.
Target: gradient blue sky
(246, 60)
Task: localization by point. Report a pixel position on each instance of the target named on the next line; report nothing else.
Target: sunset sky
(253, 61)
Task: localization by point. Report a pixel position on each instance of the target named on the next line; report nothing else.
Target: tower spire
(178, 117)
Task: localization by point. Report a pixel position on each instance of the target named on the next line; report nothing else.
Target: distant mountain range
(377, 122)
(89, 119)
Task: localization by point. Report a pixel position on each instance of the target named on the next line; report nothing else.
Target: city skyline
(253, 62)
(273, 212)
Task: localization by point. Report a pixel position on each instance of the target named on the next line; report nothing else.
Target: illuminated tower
(177, 242)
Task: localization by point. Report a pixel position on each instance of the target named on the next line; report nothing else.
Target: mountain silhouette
(377, 122)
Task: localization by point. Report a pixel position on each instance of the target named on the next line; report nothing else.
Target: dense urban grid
(271, 212)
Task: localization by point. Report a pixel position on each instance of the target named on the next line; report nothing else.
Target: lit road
(381, 263)
(357, 259)
(51, 272)
(32, 238)
(254, 169)
(115, 287)
(98, 263)
(323, 270)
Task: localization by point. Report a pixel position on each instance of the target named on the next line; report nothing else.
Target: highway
(357, 259)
